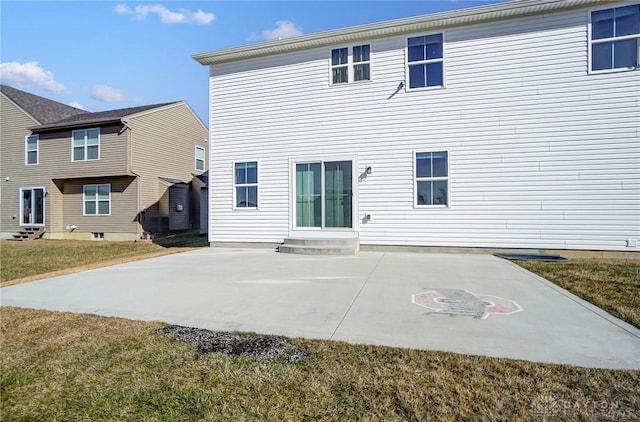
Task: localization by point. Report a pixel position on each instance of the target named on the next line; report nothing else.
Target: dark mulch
(260, 347)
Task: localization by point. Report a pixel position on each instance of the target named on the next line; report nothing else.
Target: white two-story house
(514, 125)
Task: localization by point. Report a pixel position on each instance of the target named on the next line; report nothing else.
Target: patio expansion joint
(357, 296)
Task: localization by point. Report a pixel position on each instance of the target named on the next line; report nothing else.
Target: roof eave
(72, 125)
(473, 15)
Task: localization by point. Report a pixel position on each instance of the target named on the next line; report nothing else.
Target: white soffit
(435, 21)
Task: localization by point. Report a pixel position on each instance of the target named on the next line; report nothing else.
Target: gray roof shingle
(45, 111)
(101, 116)
(52, 114)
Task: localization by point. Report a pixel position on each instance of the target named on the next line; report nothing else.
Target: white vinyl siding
(545, 155)
(85, 145)
(31, 152)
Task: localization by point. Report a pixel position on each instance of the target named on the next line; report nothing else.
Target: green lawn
(73, 367)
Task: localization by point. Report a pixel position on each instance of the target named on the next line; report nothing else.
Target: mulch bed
(269, 348)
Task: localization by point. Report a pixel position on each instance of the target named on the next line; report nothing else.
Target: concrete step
(322, 246)
(347, 242)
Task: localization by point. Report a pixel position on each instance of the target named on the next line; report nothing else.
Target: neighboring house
(112, 175)
(514, 125)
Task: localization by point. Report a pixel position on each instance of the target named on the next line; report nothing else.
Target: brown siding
(123, 218)
(163, 145)
(55, 154)
(158, 143)
(56, 206)
(13, 129)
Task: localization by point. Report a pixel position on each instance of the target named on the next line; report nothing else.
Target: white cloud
(30, 74)
(76, 105)
(283, 29)
(108, 94)
(140, 12)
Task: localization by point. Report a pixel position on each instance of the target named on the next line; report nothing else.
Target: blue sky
(101, 55)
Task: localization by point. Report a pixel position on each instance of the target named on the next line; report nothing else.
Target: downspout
(131, 171)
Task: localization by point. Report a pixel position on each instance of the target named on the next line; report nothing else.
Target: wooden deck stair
(29, 233)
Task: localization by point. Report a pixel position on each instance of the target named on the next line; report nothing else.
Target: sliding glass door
(32, 206)
(324, 194)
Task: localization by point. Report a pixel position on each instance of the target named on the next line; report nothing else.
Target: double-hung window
(31, 147)
(350, 64)
(245, 182)
(340, 65)
(97, 199)
(86, 144)
(425, 61)
(200, 163)
(361, 63)
(432, 178)
(615, 38)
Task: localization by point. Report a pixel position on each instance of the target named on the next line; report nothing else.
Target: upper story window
(200, 159)
(31, 148)
(615, 38)
(340, 65)
(245, 182)
(361, 62)
(85, 144)
(425, 61)
(432, 178)
(97, 199)
(351, 64)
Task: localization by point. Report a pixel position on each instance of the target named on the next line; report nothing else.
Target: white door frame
(22, 210)
(326, 232)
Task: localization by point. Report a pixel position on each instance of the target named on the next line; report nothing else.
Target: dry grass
(62, 366)
(26, 261)
(613, 285)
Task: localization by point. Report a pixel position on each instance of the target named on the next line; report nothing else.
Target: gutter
(72, 125)
(467, 16)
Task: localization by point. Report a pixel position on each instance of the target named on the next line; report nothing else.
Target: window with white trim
(31, 149)
(200, 163)
(615, 38)
(351, 64)
(97, 199)
(425, 61)
(85, 144)
(432, 178)
(245, 185)
(361, 63)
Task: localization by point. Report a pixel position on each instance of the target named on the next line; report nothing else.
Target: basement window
(97, 236)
